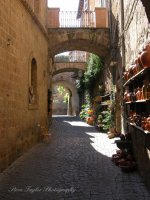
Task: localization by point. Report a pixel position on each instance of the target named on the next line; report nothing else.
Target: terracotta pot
(146, 47)
(148, 123)
(145, 58)
(130, 71)
(128, 166)
(140, 63)
(125, 95)
(139, 94)
(121, 161)
(128, 97)
(143, 122)
(126, 75)
(148, 127)
(90, 120)
(134, 95)
(134, 69)
(145, 126)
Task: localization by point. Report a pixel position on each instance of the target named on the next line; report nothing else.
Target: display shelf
(139, 101)
(139, 107)
(140, 73)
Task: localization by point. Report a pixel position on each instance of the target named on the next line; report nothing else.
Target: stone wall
(21, 40)
(137, 29)
(135, 32)
(39, 8)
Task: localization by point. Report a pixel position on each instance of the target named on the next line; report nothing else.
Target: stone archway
(74, 98)
(94, 40)
(68, 67)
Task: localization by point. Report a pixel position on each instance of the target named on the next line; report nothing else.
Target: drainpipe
(123, 63)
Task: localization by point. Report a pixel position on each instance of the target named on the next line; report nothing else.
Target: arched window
(33, 83)
(34, 75)
(36, 6)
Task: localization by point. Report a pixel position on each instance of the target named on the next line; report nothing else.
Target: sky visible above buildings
(64, 5)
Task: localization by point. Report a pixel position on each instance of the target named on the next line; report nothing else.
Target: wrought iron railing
(69, 19)
(78, 56)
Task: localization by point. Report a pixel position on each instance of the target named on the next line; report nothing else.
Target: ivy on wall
(92, 72)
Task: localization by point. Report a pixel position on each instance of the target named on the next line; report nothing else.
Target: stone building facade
(23, 82)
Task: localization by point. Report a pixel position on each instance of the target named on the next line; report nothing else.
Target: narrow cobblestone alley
(75, 165)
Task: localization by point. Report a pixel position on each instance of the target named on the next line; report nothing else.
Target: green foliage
(88, 81)
(80, 85)
(94, 66)
(63, 92)
(105, 120)
(61, 89)
(83, 114)
(99, 120)
(66, 96)
(98, 110)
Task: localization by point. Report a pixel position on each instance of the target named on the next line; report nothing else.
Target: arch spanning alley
(69, 67)
(95, 40)
(67, 70)
(74, 97)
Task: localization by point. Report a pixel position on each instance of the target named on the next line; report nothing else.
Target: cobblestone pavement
(75, 165)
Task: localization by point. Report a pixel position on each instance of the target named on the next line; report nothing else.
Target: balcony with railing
(68, 19)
